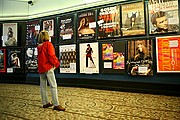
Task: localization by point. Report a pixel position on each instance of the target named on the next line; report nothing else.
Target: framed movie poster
(140, 57)
(33, 29)
(10, 34)
(109, 22)
(66, 28)
(113, 57)
(15, 61)
(86, 25)
(133, 22)
(2, 60)
(67, 56)
(168, 54)
(163, 16)
(89, 58)
(31, 60)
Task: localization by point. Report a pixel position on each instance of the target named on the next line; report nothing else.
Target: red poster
(2, 60)
(168, 54)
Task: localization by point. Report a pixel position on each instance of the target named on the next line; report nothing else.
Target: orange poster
(168, 54)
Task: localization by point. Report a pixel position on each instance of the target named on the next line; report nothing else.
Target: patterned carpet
(23, 102)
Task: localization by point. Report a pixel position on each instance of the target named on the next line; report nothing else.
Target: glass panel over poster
(133, 19)
(67, 57)
(89, 58)
(113, 57)
(2, 60)
(33, 28)
(163, 16)
(66, 27)
(86, 25)
(109, 22)
(168, 54)
(10, 34)
(140, 57)
(31, 60)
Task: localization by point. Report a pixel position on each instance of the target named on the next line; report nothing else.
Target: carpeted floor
(23, 102)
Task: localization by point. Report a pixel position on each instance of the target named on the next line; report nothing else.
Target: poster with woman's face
(66, 28)
(86, 25)
(2, 60)
(163, 16)
(89, 58)
(109, 22)
(133, 19)
(140, 57)
(10, 34)
(48, 25)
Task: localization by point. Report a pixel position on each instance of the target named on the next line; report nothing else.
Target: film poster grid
(140, 57)
(2, 60)
(89, 58)
(163, 16)
(168, 54)
(113, 57)
(109, 22)
(86, 25)
(33, 29)
(133, 19)
(67, 57)
(9, 37)
(66, 27)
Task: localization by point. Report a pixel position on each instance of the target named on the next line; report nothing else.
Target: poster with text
(133, 19)
(163, 16)
(67, 57)
(113, 57)
(109, 22)
(9, 37)
(86, 25)
(2, 60)
(168, 54)
(66, 28)
(15, 61)
(89, 58)
(140, 57)
(32, 28)
(31, 60)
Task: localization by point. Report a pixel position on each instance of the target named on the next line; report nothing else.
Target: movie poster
(66, 28)
(15, 60)
(163, 16)
(168, 54)
(31, 60)
(86, 25)
(10, 34)
(140, 57)
(89, 58)
(67, 56)
(113, 57)
(48, 25)
(2, 60)
(133, 22)
(109, 22)
(33, 29)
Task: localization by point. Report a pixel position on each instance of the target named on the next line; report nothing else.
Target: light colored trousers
(50, 77)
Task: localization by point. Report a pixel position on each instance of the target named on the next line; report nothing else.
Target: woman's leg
(43, 86)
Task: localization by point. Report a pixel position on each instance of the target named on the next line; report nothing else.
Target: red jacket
(46, 57)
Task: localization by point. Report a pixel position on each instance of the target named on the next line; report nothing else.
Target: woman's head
(43, 36)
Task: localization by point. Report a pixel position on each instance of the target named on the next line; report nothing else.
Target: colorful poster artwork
(66, 27)
(2, 60)
(10, 34)
(67, 57)
(133, 19)
(48, 25)
(140, 57)
(109, 22)
(31, 60)
(89, 58)
(163, 16)
(33, 29)
(118, 61)
(168, 54)
(86, 25)
(107, 52)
